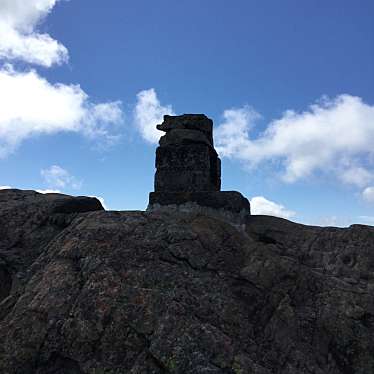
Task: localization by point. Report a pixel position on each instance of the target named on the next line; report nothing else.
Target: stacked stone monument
(188, 172)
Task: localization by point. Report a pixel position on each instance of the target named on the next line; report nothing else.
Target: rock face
(188, 172)
(89, 291)
(28, 221)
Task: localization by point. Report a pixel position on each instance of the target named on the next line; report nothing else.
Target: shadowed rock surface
(89, 291)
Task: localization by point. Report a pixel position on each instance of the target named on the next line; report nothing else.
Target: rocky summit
(83, 290)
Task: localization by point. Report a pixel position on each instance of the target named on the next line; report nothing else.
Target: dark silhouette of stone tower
(188, 171)
(186, 160)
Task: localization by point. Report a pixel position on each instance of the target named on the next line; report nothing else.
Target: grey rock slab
(199, 122)
(184, 292)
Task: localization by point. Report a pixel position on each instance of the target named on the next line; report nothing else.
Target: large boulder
(172, 292)
(28, 222)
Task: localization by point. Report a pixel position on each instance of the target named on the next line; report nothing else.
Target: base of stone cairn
(188, 172)
(231, 206)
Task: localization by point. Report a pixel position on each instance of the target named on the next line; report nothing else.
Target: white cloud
(262, 206)
(356, 175)
(56, 176)
(232, 135)
(5, 187)
(368, 194)
(148, 113)
(19, 38)
(30, 105)
(48, 191)
(331, 137)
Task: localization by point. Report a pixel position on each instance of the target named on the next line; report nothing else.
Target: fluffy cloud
(368, 194)
(19, 38)
(5, 187)
(148, 113)
(30, 105)
(331, 137)
(357, 175)
(231, 136)
(56, 176)
(262, 206)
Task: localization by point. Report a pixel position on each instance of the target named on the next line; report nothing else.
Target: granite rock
(28, 221)
(171, 292)
(232, 201)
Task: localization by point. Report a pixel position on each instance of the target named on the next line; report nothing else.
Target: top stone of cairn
(193, 128)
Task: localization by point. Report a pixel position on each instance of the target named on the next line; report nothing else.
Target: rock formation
(88, 291)
(188, 172)
(186, 160)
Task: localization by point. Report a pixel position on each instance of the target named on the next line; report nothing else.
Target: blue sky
(288, 84)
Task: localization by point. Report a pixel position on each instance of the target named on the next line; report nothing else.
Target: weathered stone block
(199, 122)
(193, 167)
(232, 201)
(189, 157)
(167, 180)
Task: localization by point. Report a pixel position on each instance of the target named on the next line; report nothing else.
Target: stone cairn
(188, 175)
